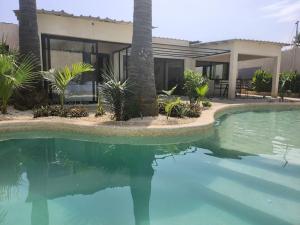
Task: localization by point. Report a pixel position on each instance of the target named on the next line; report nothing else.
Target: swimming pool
(246, 170)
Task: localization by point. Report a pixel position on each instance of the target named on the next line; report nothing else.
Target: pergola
(242, 50)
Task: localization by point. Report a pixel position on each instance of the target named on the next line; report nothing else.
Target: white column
(276, 73)
(233, 73)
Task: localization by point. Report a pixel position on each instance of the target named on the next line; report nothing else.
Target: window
(59, 51)
(213, 70)
(168, 73)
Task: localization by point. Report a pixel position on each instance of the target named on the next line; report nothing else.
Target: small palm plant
(15, 74)
(60, 79)
(201, 92)
(114, 93)
(284, 78)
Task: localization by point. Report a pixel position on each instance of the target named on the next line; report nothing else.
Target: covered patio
(243, 50)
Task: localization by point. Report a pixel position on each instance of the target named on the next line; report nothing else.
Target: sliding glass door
(168, 73)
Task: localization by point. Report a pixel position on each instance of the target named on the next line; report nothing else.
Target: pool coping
(203, 123)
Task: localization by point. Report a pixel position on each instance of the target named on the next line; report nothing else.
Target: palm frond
(170, 92)
(26, 75)
(202, 90)
(60, 79)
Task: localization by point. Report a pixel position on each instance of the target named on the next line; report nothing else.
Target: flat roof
(241, 39)
(192, 43)
(65, 14)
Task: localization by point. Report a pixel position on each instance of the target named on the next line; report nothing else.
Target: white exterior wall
(290, 61)
(84, 28)
(10, 32)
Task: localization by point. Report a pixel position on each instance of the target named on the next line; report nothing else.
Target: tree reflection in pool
(60, 181)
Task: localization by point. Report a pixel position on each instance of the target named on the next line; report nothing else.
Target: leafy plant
(114, 93)
(3, 46)
(284, 78)
(192, 110)
(15, 73)
(170, 92)
(262, 81)
(55, 110)
(60, 79)
(193, 80)
(206, 104)
(173, 107)
(100, 108)
(177, 108)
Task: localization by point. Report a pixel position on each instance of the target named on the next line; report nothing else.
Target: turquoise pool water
(246, 170)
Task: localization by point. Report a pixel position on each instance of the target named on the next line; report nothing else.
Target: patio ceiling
(185, 52)
(194, 52)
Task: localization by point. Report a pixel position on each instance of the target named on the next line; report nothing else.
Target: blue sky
(202, 20)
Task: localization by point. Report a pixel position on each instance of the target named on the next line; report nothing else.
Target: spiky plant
(114, 93)
(15, 74)
(60, 78)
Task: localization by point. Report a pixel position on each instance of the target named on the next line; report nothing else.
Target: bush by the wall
(192, 81)
(292, 83)
(262, 81)
(55, 110)
(206, 104)
(179, 109)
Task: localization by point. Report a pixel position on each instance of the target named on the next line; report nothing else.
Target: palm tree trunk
(29, 45)
(141, 66)
(28, 29)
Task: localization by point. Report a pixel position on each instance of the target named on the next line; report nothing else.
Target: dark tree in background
(141, 65)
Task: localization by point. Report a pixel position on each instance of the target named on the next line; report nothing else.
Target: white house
(66, 38)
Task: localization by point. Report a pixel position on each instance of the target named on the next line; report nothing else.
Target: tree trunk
(28, 29)
(141, 66)
(29, 45)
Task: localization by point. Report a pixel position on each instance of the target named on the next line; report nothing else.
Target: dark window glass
(168, 73)
(213, 70)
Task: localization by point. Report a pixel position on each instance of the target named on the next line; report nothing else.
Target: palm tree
(60, 79)
(29, 44)
(28, 29)
(141, 67)
(15, 75)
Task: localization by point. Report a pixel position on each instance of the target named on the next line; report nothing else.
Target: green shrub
(192, 110)
(262, 81)
(289, 81)
(177, 108)
(60, 79)
(285, 81)
(193, 80)
(77, 111)
(161, 107)
(174, 108)
(114, 93)
(206, 104)
(55, 110)
(100, 109)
